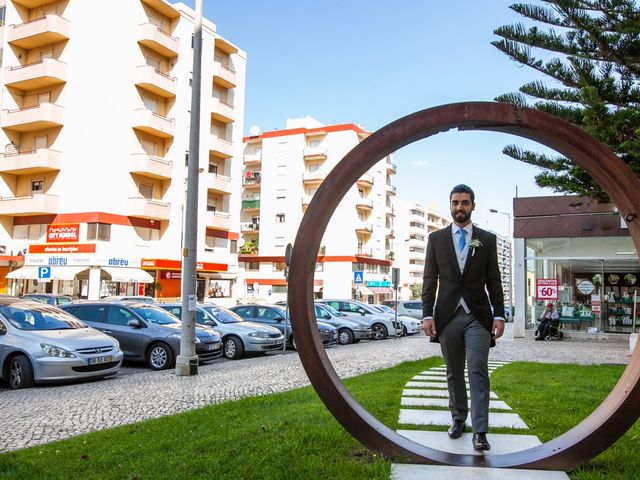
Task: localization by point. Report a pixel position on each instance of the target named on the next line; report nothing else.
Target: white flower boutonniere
(475, 243)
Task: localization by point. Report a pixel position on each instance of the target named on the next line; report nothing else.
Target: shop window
(279, 289)
(357, 267)
(99, 231)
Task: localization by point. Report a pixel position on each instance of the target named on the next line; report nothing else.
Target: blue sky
(371, 62)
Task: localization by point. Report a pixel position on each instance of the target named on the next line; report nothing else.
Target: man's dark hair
(462, 188)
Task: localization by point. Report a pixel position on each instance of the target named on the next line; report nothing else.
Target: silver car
(239, 336)
(41, 343)
(410, 308)
(382, 324)
(350, 330)
(410, 325)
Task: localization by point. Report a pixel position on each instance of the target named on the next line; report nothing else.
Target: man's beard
(462, 216)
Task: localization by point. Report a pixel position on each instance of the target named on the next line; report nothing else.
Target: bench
(571, 316)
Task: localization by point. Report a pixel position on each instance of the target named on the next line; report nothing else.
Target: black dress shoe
(480, 442)
(456, 429)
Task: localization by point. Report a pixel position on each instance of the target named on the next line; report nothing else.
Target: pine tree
(595, 50)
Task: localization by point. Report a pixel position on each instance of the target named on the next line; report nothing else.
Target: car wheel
(345, 337)
(292, 342)
(233, 348)
(20, 373)
(378, 331)
(404, 331)
(160, 356)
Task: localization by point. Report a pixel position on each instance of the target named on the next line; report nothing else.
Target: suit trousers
(464, 338)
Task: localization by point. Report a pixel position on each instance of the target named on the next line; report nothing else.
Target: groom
(461, 262)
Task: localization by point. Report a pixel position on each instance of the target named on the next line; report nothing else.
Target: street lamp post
(493, 210)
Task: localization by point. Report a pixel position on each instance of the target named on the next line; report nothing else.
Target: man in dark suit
(462, 266)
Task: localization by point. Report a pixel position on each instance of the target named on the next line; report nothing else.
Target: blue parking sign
(44, 272)
(358, 277)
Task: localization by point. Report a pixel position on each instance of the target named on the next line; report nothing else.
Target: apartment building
(96, 118)
(504, 263)
(412, 224)
(282, 171)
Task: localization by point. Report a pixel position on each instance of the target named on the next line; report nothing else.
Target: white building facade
(283, 170)
(95, 119)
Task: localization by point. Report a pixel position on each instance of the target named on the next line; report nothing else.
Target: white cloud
(422, 163)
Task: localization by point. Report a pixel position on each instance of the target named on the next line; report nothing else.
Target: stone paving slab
(444, 402)
(443, 417)
(500, 442)
(429, 472)
(419, 392)
(418, 384)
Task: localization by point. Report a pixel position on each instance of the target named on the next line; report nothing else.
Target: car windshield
(223, 315)
(155, 315)
(282, 311)
(332, 310)
(40, 318)
(385, 308)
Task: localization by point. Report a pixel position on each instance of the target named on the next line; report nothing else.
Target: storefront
(578, 255)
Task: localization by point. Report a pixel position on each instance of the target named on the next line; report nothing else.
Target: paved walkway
(43, 414)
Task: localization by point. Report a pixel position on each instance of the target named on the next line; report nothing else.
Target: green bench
(571, 316)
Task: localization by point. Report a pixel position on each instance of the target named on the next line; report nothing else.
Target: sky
(372, 62)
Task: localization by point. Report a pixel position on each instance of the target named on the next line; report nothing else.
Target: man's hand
(498, 328)
(429, 327)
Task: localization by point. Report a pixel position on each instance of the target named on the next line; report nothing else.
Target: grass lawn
(291, 435)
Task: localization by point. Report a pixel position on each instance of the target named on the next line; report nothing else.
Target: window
(88, 313)
(319, 267)
(3, 10)
(279, 289)
(186, 159)
(99, 231)
(213, 168)
(150, 104)
(279, 217)
(244, 312)
(357, 267)
(268, 314)
(233, 246)
(147, 234)
(252, 266)
(278, 266)
(44, 98)
(146, 190)
(37, 186)
(384, 268)
(119, 316)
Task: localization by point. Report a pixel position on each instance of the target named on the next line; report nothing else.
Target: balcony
(364, 204)
(221, 147)
(161, 6)
(36, 33)
(36, 204)
(222, 111)
(38, 161)
(153, 123)
(146, 208)
(364, 228)
(219, 183)
(157, 40)
(313, 177)
(365, 252)
(391, 168)
(224, 76)
(250, 183)
(45, 73)
(151, 166)
(252, 160)
(365, 181)
(390, 234)
(218, 220)
(306, 200)
(391, 189)
(314, 153)
(249, 228)
(38, 117)
(155, 81)
(389, 211)
(250, 205)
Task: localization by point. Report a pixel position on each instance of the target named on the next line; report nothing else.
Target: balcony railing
(41, 31)
(37, 203)
(250, 204)
(218, 220)
(37, 117)
(365, 252)
(364, 227)
(314, 177)
(249, 227)
(251, 182)
(153, 37)
(153, 123)
(252, 160)
(365, 180)
(221, 146)
(391, 168)
(224, 75)
(45, 73)
(33, 161)
(219, 183)
(391, 189)
(155, 81)
(151, 166)
(364, 203)
(315, 153)
(147, 208)
(222, 111)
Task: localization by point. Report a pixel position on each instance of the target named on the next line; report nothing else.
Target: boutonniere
(474, 243)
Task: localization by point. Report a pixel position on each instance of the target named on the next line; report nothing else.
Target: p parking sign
(44, 273)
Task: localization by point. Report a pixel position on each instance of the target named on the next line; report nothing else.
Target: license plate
(98, 360)
(211, 346)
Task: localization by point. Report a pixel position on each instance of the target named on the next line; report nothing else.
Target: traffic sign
(44, 272)
(547, 288)
(358, 278)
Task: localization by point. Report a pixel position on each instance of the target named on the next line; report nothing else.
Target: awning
(381, 290)
(24, 273)
(364, 290)
(119, 274)
(66, 273)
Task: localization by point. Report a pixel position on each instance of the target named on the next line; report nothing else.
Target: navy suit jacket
(480, 283)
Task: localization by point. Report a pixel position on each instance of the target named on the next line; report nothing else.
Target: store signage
(547, 288)
(171, 275)
(162, 263)
(377, 283)
(595, 304)
(64, 248)
(80, 260)
(585, 286)
(63, 233)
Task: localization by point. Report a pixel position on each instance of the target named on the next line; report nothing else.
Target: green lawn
(291, 435)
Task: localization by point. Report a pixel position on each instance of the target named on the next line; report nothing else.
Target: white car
(410, 325)
(382, 324)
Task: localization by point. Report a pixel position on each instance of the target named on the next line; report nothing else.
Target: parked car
(146, 332)
(49, 298)
(276, 316)
(41, 343)
(350, 330)
(411, 308)
(382, 324)
(129, 298)
(239, 336)
(410, 325)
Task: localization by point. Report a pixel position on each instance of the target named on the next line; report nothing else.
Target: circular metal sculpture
(598, 431)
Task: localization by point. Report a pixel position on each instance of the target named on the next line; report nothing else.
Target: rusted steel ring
(598, 431)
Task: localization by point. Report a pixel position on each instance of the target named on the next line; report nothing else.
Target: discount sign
(547, 288)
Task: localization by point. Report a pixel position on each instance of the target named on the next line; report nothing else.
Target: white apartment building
(96, 118)
(283, 170)
(412, 225)
(504, 263)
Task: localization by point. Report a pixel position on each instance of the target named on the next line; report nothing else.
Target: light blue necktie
(462, 241)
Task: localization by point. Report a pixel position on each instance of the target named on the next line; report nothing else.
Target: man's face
(461, 207)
